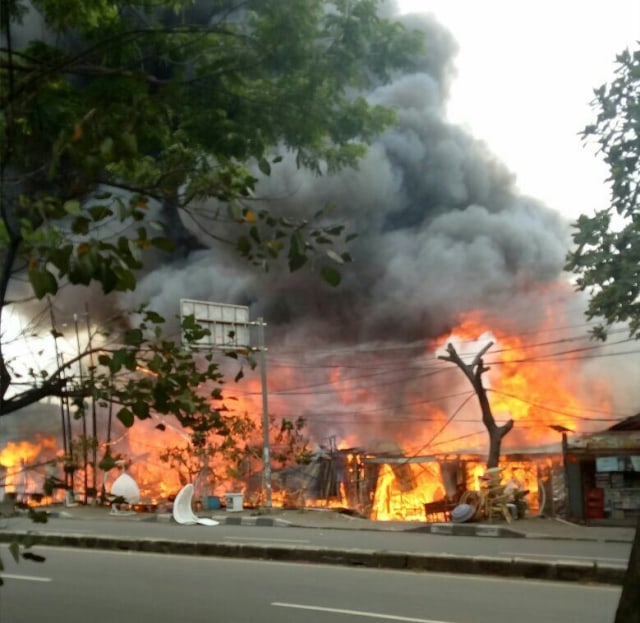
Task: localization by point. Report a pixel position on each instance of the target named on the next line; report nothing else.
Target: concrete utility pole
(266, 455)
(229, 329)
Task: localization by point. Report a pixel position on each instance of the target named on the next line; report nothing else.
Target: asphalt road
(77, 586)
(615, 554)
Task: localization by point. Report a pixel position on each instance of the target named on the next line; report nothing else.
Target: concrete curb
(257, 520)
(469, 529)
(569, 571)
(445, 529)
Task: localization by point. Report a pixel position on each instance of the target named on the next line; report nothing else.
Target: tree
(474, 371)
(126, 114)
(229, 453)
(119, 116)
(606, 257)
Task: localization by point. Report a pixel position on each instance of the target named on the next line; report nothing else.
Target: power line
(538, 406)
(423, 343)
(298, 391)
(446, 424)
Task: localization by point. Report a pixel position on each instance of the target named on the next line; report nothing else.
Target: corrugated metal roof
(608, 440)
(630, 423)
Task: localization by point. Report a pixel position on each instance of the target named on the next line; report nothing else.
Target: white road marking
(566, 557)
(255, 538)
(358, 613)
(26, 578)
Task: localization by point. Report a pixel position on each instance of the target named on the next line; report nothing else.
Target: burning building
(603, 473)
(448, 249)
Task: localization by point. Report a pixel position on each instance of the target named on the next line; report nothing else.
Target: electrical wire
(558, 412)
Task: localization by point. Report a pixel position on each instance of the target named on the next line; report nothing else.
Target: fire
(18, 460)
(524, 383)
(403, 489)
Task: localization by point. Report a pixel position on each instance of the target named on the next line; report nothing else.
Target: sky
(526, 74)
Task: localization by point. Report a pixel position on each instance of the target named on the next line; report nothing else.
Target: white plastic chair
(126, 488)
(182, 512)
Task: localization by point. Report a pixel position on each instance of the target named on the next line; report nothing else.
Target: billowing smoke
(441, 228)
(442, 231)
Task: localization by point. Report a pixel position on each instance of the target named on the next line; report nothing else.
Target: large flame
(23, 465)
(523, 381)
(525, 384)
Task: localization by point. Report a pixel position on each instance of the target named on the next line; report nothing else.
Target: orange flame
(524, 383)
(18, 458)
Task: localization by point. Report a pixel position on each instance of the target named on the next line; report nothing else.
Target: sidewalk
(534, 527)
(97, 528)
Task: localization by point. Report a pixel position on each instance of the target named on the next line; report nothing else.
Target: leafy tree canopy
(606, 258)
(607, 254)
(110, 108)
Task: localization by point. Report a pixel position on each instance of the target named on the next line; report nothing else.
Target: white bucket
(234, 502)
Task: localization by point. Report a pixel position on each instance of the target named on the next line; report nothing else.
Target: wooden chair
(440, 510)
(494, 497)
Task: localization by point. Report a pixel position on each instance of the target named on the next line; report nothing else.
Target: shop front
(603, 477)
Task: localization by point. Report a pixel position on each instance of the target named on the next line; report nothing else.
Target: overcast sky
(526, 73)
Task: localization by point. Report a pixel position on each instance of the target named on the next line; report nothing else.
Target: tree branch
(51, 388)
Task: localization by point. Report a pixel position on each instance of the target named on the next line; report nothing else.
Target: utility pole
(67, 436)
(266, 455)
(94, 415)
(229, 328)
(85, 456)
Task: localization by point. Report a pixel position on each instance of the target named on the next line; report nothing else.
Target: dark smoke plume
(442, 231)
(442, 228)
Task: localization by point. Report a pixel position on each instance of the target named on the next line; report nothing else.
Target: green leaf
(14, 550)
(164, 244)
(129, 143)
(156, 318)
(106, 148)
(99, 213)
(38, 516)
(106, 463)
(331, 275)
(141, 409)
(80, 225)
(43, 282)
(72, 207)
(126, 417)
(133, 337)
(264, 166)
(235, 211)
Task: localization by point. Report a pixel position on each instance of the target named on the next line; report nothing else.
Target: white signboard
(228, 324)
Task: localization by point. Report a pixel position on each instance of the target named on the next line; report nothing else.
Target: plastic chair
(182, 512)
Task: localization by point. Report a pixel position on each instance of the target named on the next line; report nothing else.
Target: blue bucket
(213, 503)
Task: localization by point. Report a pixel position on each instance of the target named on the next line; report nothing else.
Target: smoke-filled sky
(463, 207)
(444, 229)
(442, 226)
(525, 76)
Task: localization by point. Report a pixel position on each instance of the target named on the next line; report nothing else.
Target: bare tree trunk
(495, 441)
(629, 605)
(474, 371)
